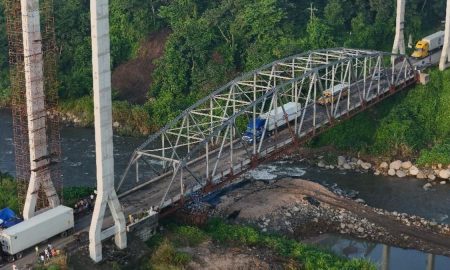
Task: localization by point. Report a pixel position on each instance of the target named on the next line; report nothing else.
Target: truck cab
(259, 129)
(332, 94)
(421, 50)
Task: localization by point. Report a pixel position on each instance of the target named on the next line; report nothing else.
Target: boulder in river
(444, 174)
(413, 171)
(347, 166)
(406, 165)
(384, 166)
(321, 164)
(427, 186)
(395, 165)
(400, 173)
(391, 172)
(431, 177)
(341, 160)
(366, 165)
(421, 175)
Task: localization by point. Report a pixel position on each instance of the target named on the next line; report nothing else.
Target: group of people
(47, 253)
(85, 204)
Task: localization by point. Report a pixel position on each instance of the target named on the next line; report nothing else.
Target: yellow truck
(332, 94)
(428, 45)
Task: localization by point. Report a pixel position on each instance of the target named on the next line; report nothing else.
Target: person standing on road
(47, 254)
(36, 248)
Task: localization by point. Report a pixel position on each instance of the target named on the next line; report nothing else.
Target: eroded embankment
(302, 208)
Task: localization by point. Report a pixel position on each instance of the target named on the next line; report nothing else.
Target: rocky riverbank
(434, 175)
(301, 209)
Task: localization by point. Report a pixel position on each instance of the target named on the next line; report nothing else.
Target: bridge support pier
(444, 61)
(106, 194)
(36, 111)
(399, 41)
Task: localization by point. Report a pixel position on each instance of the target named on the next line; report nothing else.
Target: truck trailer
(428, 45)
(29, 233)
(271, 121)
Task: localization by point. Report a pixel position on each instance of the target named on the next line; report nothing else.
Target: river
(78, 152)
(402, 195)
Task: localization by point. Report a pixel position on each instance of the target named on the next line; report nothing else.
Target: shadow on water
(386, 257)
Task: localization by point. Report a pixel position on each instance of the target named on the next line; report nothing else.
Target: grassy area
(166, 256)
(413, 124)
(133, 119)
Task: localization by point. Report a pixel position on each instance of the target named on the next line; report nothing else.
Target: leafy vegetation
(73, 194)
(412, 124)
(165, 254)
(8, 192)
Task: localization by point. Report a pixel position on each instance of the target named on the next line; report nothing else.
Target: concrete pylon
(399, 40)
(106, 194)
(430, 261)
(385, 257)
(443, 64)
(35, 97)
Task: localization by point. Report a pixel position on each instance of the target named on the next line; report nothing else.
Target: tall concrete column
(106, 194)
(399, 40)
(35, 97)
(443, 64)
(385, 257)
(430, 262)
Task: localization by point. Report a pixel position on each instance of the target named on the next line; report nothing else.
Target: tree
(318, 35)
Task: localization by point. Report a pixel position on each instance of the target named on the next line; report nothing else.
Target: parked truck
(332, 94)
(276, 118)
(26, 234)
(428, 45)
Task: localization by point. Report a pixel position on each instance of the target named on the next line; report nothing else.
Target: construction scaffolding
(48, 165)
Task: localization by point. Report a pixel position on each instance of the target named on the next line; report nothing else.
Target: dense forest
(210, 42)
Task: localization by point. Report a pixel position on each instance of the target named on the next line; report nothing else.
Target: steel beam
(106, 194)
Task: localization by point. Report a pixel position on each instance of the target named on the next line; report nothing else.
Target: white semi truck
(29, 233)
(275, 118)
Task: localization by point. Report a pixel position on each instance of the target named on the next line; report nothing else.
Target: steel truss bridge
(203, 147)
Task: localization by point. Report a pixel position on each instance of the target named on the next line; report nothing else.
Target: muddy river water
(393, 194)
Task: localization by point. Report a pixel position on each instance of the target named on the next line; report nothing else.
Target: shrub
(167, 257)
(189, 236)
(73, 194)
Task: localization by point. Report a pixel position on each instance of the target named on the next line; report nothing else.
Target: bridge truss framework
(203, 147)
